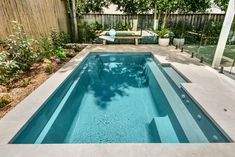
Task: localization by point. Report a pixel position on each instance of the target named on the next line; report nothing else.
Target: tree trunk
(135, 23)
(73, 19)
(155, 19)
(164, 19)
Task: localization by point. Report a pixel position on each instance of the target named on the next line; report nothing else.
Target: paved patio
(214, 92)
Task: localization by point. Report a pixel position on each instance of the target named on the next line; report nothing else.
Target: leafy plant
(164, 33)
(60, 53)
(50, 68)
(22, 52)
(45, 48)
(179, 30)
(4, 100)
(20, 55)
(211, 32)
(122, 27)
(59, 39)
(21, 48)
(88, 32)
(9, 70)
(223, 4)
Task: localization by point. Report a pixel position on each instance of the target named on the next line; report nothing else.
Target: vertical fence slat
(195, 20)
(37, 17)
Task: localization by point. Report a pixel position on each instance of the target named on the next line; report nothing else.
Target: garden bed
(30, 81)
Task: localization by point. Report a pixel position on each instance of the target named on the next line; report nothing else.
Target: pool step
(192, 131)
(163, 130)
(53, 118)
(174, 76)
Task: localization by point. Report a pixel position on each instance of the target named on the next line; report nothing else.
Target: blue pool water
(120, 98)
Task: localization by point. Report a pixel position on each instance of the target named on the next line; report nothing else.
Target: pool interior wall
(120, 98)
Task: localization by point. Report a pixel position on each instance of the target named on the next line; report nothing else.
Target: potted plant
(164, 38)
(179, 34)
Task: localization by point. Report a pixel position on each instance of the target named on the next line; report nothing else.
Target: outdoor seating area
(117, 78)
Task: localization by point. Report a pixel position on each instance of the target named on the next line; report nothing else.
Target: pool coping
(17, 117)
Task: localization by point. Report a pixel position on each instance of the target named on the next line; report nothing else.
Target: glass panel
(203, 38)
(228, 59)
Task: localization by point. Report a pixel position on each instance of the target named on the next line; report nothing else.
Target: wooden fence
(37, 16)
(41, 16)
(146, 20)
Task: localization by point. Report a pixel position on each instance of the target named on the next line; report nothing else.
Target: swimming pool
(120, 98)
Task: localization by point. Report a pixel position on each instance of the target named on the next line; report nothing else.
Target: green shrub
(22, 52)
(92, 29)
(60, 53)
(163, 33)
(180, 29)
(211, 32)
(19, 56)
(45, 48)
(88, 32)
(5, 100)
(50, 68)
(59, 39)
(21, 48)
(25, 82)
(121, 27)
(70, 53)
(9, 70)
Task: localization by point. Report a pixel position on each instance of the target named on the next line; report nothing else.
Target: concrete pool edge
(7, 121)
(118, 150)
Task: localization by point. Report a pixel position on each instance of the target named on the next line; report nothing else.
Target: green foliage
(59, 39)
(121, 27)
(21, 48)
(223, 4)
(60, 53)
(133, 6)
(87, 6)
(4, 100)
(163, 33)
(22, 52)
(194, 5)
(25, 82)
(213, 28)
(9, 69)
(211, 32)
(168, 5)
(50, 68)
(88, 32)
(45, 48)
(180, 29)
(19, 56)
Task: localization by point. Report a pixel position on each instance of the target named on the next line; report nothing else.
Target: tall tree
(170, 6)
(195, 6)
(164, 7)
(71, 6)
(94, 6)
(133, 7)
